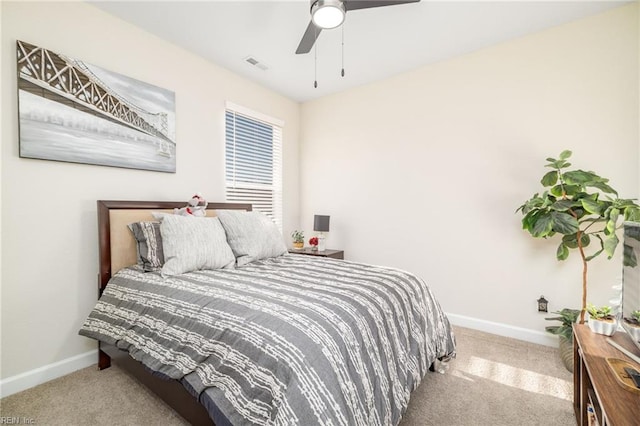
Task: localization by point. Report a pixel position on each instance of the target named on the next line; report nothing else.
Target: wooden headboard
(117, 247)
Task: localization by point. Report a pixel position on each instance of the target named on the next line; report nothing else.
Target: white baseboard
(528, 335)
(43, 374)
(40, 375)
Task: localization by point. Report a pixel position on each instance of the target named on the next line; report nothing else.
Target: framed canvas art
(76, 112)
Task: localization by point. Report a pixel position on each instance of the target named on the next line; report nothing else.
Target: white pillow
(251, 235)
(193, 243)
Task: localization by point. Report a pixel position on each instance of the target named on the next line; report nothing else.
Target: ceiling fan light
(327, 14)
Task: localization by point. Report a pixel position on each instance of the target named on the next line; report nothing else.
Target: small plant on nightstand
(298, 239)
(600, 320)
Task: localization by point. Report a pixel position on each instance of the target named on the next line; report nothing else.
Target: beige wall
(422, 171)
(49, 228)
(425, 170)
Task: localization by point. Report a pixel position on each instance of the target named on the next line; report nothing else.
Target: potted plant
(581, 207)
(298, 239)
(600, 320)
(565, 333)
(634, 322)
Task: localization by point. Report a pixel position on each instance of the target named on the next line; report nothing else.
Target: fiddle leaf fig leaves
(611, 223)
(563, 252)
(591, 206)
(550, 178)
(571, 241)
(542, 225)
(564, 223)
(578, 177)
(565, 154)
(610, 244)
(563, 205)
(578, 204)
(560, 163)
(602, 186)
(531, 204)
(600, 250)
(564, 190)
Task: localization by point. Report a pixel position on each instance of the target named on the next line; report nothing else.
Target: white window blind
(253, 162)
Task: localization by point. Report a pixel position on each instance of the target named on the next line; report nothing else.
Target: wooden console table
(594, 381)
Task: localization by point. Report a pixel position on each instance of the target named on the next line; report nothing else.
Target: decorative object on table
(571, 205)
(601, 321)
(196, 206)
(298, 239)
(542, 304)
(313, 242)
(565, 334)
(321, 225)
(626, 375)
(76, 112)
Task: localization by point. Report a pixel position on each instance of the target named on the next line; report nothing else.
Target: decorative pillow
(149, 244)
(251, 235)
(193, 243)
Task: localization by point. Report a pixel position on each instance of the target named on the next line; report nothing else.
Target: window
(253, 161)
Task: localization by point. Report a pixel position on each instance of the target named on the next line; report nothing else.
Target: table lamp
(321, 225)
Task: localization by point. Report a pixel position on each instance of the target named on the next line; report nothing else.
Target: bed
(286, 339)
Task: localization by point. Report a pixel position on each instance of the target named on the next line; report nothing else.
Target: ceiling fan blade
(312, 32)
(366, 4)
(308, 39)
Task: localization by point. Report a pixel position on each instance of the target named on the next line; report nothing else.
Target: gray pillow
(193, 243)
(149, 245)
(251, 235)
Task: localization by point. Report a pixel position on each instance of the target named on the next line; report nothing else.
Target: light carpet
(493, 381)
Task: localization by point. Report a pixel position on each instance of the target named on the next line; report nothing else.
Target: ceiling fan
(327, 14)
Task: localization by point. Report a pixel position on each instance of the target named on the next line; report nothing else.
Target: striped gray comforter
(288, 340)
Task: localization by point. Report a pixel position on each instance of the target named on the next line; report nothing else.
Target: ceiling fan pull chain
(343, 49)
(315, 62)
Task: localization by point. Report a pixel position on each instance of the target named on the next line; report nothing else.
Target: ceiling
(378, 42)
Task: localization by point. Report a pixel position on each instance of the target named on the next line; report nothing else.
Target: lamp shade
(321, 223)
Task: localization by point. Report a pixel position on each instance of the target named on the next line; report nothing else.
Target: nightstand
(334, 254)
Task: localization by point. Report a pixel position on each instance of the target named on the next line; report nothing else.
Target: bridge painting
(77, 112)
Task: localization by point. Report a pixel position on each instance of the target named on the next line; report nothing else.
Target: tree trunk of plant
(584, 277)
(566, 352)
